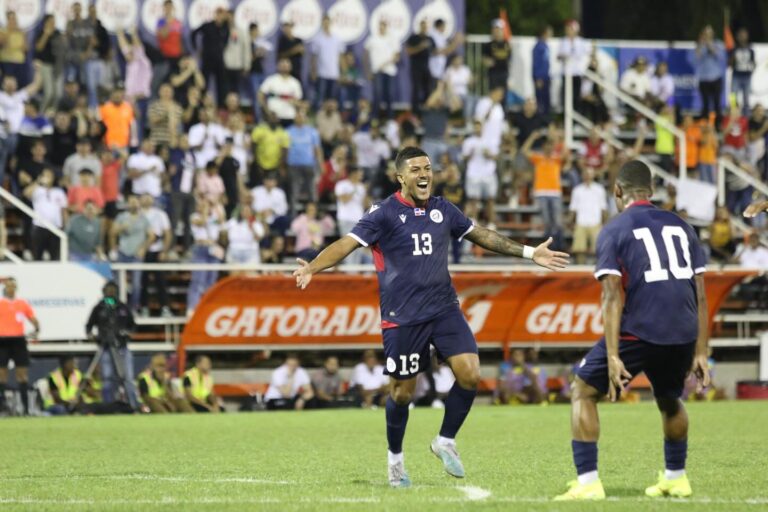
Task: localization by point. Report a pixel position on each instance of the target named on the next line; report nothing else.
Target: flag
(507, 30)
(419, 212)
(730, 44)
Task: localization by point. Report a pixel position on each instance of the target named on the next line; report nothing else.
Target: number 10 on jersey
(422, 244)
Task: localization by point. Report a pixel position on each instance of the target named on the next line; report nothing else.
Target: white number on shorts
(414, 366)
(425, 247)
(657, 272)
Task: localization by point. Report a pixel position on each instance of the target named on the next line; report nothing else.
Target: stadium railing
(64, 256)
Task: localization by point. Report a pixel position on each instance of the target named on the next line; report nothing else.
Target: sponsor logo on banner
(261, 12)
(152, 11)
(306, 15)
(552, 318)
(62, 10)
(397, 14)
(348, 20)
(436, 10)
(202, 11)
(28, 12)
(117, 14)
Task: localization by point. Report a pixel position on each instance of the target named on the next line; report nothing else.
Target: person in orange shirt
(708, 153)
(13, 344)
(117, 115)
(547, 188)
(692, 140)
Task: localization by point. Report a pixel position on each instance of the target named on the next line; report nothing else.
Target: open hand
(303, 274)
(547, 258)
(618, 377)
(755, 208)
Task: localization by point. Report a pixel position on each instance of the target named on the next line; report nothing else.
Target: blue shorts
(666, 366)
(406, 348)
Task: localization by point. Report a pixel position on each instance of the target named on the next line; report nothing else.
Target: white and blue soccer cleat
(398, 478)
(449, 456)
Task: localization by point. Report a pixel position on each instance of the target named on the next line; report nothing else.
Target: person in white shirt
(280, 93)
(325, 65)
(290, 386)
(490, 112)
(50, 203)
(481, 181)
(382, 53)
(444, 46)
(269, 201)
(459, 77)
(589, 209)
(206, 138)
(662, 86)
(371, 149)
(753, 254)
(350, 207)
(237, 54)
(573, 53)
(145, 170)
(12, 107)
(244, 231)
(369, 382)
(206, 224)
(635, 81)
(157, 252)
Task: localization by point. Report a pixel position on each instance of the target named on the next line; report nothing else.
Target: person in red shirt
(13, 344)
(735, 128)
(169, 36)
(86, 190)
(334, 170)
(111, 165)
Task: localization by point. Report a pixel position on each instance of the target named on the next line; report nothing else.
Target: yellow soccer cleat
(579, 492)
(677, 488)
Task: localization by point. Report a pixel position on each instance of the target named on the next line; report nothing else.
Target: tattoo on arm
(492, 241)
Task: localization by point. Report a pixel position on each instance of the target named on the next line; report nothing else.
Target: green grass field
(516, 459)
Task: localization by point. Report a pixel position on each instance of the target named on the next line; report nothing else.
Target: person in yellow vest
(155, 388)
(198, 386)
(92, 393)
(63, 384)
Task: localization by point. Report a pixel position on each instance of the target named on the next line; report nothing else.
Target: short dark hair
(439, 22)
(635, 176)
(406, 154)
(86, 170)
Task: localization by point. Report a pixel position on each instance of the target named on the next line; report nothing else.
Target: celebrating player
(410, 234)
(661, 330)
(755, 208)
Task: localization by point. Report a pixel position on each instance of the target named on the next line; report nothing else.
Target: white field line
(239, 480)
(473, 493)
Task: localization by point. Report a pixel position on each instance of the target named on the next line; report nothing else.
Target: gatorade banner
(339, 309)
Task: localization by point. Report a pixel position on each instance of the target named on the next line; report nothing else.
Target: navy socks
(457, 406)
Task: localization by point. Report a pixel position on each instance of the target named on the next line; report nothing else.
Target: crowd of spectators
(154, 151)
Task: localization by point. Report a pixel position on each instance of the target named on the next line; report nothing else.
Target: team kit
(649, 262)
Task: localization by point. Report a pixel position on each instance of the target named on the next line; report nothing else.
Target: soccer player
(660, 328)
(755, 208)
(410, 235)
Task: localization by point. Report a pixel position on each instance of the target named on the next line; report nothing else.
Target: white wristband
(528, 252)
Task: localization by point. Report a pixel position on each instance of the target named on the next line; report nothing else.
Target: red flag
(730, 44)
(507, 30)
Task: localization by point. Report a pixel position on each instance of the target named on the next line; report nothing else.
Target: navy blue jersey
(410, 250)
(657, 254)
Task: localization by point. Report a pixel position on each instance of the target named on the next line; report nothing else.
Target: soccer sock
(457, 406)
(24, 392)
(675, 453)
(397, 419)
(585, 459)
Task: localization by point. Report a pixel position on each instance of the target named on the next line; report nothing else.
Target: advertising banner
(61, 294)
(337, 309)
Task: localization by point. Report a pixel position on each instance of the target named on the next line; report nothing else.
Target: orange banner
(340, 309)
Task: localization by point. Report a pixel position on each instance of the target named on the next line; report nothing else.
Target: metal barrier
(29, 212)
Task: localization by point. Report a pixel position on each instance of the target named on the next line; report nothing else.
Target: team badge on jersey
(419, 212)
(436, 216)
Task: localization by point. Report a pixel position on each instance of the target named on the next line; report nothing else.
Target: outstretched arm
(330, 257)
(541, 255)
(755, 208)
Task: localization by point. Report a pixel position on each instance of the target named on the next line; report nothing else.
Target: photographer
(114, 323)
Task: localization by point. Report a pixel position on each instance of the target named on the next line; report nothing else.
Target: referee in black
(13, 344)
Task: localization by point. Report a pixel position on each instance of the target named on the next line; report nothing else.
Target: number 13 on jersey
(422, 244)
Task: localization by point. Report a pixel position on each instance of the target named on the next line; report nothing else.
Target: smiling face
(416, 179)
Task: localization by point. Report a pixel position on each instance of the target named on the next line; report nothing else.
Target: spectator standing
(146, 170)
(34, 127)
(459, 78)
(497, 55)
(595, 153)
(260, 48)
(635, 80)
(304, 158)
(589, 208)
(111, 167)
(169, 32)
(482, 183)
(164, 117)
(708, 152)
(372, 149)
(157, 252)
(231, 177)
(444, 46)
(573, 53)
(325, 64)
(453, 190)
(138, 70)
(351, 196)
(130, 238)
(79, 35)
(528, 121)
(382, 54)
(118, 117)
(271, 203)
(186, 78)
(85, 235)
(692, 132)
(244, 231)
(292, 48)
(206, 222)
(434, 121)
(721, 240)
(27, 172)
(237, 55)
(369, 382)
(214, 36)
(665, 139)
(329, 125)
(270, 147)
(96, 57)
(735, 128)
(490, 112)
(709, 66)
(290, 386)
(13, 51)
(209, 186)
(86, 191)
(280, 93)
(742, 62)
(310, 232)
(590, 97)
(50, 204)
(758, 127)
(49, 51)
(541, 78)
(83, 158)
(419, 47)
(326, 384)
(206, 138)
(64, 139)
(12, 102)
(350, 86)
(662, 86)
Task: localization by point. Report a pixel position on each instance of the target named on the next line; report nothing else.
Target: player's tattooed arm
(542, 255)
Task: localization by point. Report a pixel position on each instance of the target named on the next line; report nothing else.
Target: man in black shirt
(64, 138)
(742, 60)
(215, 35)
(496, 56)
(419, 47)
(229, 170)
(291, 48)
(528, 121)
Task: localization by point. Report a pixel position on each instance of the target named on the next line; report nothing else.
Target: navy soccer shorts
(666, 366)
(406, 348)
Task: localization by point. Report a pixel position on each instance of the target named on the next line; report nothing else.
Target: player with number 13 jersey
(409, 234)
